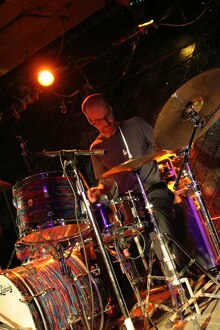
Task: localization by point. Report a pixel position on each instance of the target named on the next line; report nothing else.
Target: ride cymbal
(198, 100)
(4, 186)
(133, 164)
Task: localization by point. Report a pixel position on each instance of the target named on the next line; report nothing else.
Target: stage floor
(209, 308)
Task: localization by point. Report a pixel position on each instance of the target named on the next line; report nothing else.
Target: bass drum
(48, 208)
(37, 296)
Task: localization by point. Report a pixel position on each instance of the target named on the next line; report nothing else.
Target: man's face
(101, 116)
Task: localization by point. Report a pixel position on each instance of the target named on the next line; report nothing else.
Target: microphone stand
(128, 322)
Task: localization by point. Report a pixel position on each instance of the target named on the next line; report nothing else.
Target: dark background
(136, 69)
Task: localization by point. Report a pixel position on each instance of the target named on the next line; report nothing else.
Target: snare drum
(38, 296)
(47, 208)
(122, 212)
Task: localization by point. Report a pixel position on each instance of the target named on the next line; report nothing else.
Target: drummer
(123, 140)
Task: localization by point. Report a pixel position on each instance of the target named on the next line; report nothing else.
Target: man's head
(99, 114)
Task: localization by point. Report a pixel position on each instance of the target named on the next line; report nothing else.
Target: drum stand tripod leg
(200, 293)
(178, 294)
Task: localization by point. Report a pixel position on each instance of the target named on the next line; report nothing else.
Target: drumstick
(84, 180)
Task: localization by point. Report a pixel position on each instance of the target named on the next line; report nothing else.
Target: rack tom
(48, 208)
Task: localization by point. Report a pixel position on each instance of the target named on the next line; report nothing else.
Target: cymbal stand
(128, 268)
(195, 117)
(127, 320)
(175, 283)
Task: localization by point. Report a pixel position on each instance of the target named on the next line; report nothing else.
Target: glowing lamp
(188, 51)
(45, 78)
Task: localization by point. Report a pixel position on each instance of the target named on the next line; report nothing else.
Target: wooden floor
(206, 317)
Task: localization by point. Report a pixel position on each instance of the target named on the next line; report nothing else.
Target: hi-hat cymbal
(133, 164)
(173, 129)
(4, 186)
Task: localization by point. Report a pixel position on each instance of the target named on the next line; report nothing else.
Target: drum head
(56, 233)
(19, 314)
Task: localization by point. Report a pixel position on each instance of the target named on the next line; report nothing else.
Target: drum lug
(28, 299)
(73, 319)
(95, 271)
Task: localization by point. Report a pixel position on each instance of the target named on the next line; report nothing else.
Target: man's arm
(103, 187)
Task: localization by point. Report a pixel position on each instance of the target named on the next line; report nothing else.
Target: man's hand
(104, 186)
(94, 194)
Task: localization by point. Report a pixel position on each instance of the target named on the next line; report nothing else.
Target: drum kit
(55, 287)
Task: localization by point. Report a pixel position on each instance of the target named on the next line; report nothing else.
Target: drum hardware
(138, 222)
(127, 240)
(73, 319)
(27, 299)
(195, 192)
(169, 269)
(128, 322)
(62, 262)
(118, 215)
(188, 114)
(194, 224)
(123, 256)
(192, 296)
(141, 252)
(191, 114)
(129, 269)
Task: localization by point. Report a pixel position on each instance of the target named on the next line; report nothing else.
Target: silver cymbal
(133, 164)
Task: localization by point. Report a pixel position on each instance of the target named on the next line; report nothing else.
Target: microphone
(25, 153)
(95, 152)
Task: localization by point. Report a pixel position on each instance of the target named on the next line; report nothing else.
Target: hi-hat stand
(172, 277)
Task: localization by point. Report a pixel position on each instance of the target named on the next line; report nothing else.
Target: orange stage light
(45, 78)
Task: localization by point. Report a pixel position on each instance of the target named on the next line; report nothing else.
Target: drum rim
(117, 201)
(43, 175)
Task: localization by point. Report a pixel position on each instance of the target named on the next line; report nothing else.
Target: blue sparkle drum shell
(38, 296)
(49, 208)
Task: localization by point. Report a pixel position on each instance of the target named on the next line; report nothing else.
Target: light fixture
(45, 78)
(188, 51)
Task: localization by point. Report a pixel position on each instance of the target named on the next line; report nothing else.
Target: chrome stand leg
(128, 322)
(169, 268)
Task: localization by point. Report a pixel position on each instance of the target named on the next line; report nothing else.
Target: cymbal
(4, 186)
(133, 164)
(173, 129)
